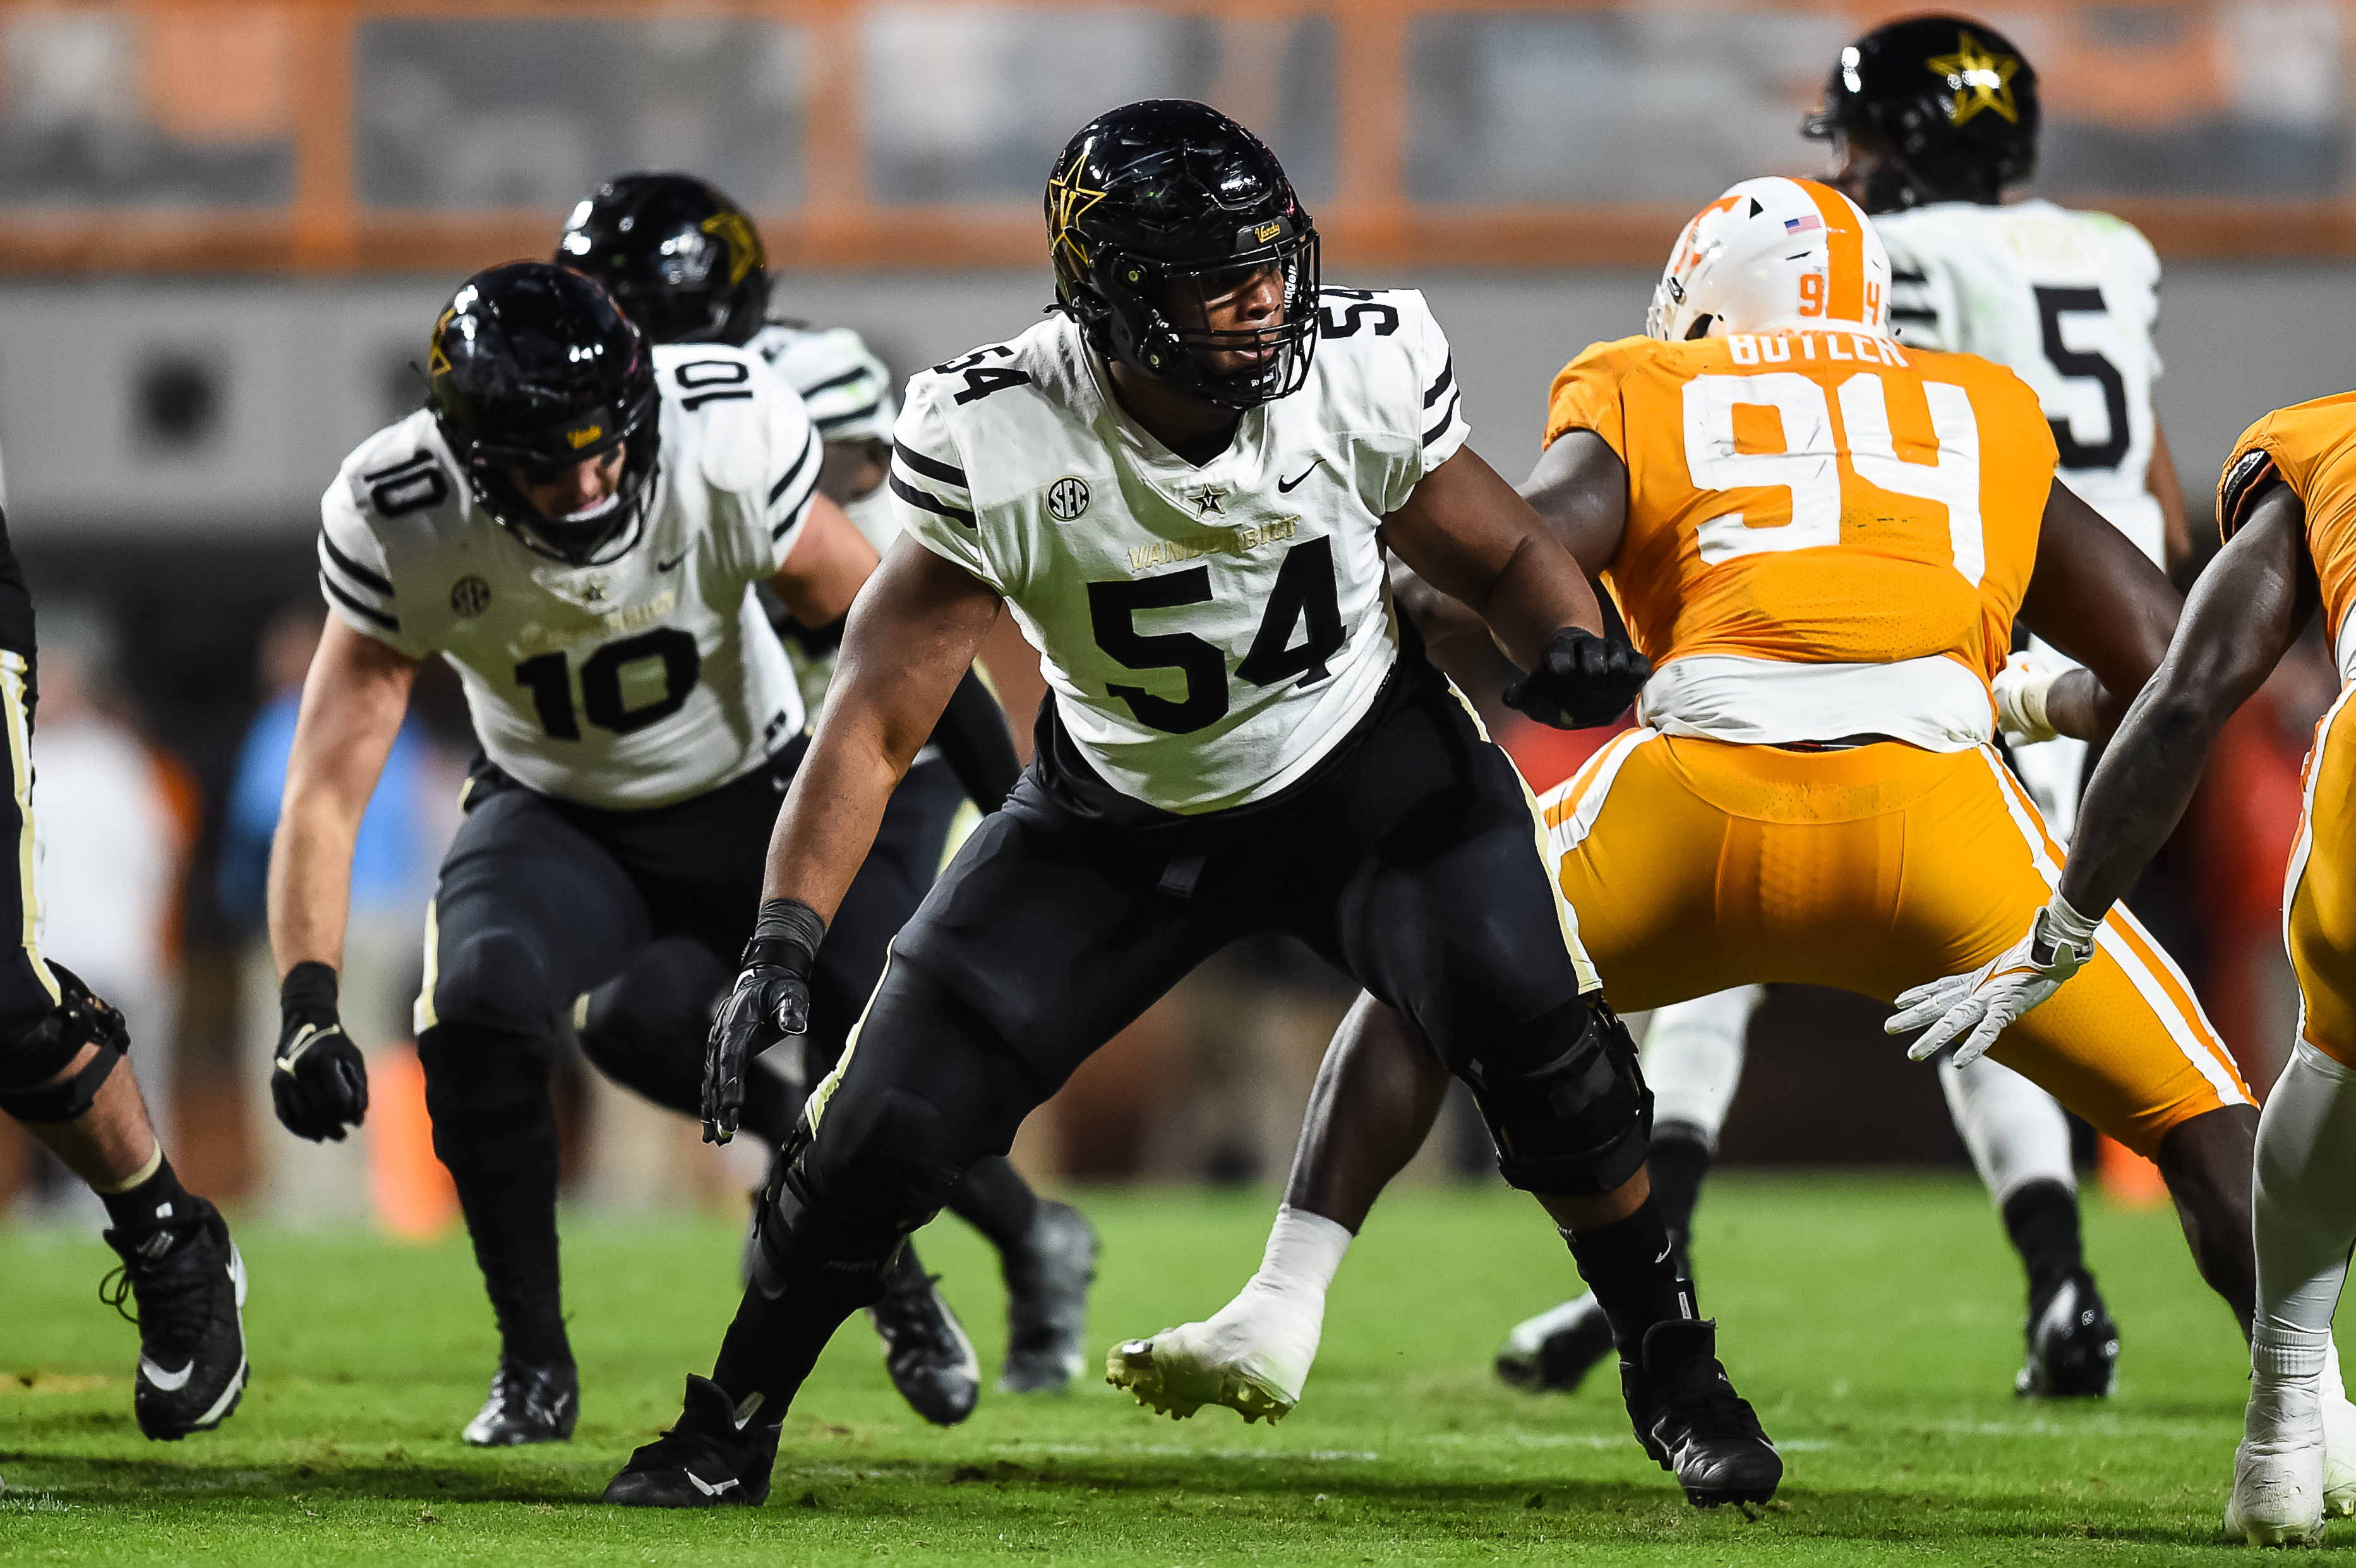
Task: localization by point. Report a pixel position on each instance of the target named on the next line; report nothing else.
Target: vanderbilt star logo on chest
(1205, 500)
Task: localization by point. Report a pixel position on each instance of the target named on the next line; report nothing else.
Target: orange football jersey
(2312, 448)
(1816, 497)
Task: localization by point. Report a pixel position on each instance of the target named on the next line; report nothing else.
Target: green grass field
(1874, 1320)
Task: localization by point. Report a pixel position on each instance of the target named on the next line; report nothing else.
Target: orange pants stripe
(2320, 893)
(1695, 865)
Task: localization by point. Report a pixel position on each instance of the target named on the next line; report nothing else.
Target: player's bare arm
(2100, 600)
(1469, 534)
(1580, 487)
(831, 560)
(2244, 615)
(912, 639)
(353, 703)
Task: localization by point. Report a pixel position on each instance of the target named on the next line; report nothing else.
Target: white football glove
(2059, 943)
(2021, 688)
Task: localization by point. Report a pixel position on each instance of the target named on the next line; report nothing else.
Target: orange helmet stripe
(1845, 264)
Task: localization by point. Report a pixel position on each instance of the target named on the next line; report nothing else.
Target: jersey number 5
(1304, 595)
(549, 680)
(1808, 467)
(2084, 365)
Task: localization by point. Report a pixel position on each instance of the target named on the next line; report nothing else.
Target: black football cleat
(1553, 1353)
(1693, 1423)
(931, 1362)
(708, 1459)
(527, 1405)
(1047, 1281)
(189, 1282)
(2074, 1346)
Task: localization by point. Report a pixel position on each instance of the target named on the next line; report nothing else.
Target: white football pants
(2017, 1133)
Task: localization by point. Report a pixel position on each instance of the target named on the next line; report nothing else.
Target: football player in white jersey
(1182, 485)
(1930, 120)
(687, 265)
(577, 522)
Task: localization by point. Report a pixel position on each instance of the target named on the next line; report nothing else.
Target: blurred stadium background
(225, 228)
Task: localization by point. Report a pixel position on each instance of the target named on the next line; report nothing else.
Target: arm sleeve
(789, 484)
(928, 488)
(977, 744)
(1585, 396)
(2253, 470)
(355, 574)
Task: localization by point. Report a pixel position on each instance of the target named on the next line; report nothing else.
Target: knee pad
(1567, 1118)
(493, 980)
(800, 1235)
(884, 1154)
(38, 1052)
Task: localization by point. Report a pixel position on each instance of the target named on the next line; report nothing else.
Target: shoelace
(169, 1286)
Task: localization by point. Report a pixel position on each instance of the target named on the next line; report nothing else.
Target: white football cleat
(2339, 1442)
(2277, 1498)
(1252, 1356)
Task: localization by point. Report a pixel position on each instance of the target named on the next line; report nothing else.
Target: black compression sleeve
(977, 744)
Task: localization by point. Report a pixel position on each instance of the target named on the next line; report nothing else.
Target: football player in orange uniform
(1821, 539)
(2288, 507)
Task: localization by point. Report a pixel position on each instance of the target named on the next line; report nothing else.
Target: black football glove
(319, 1082)
(1582, 679)
(772, 1000)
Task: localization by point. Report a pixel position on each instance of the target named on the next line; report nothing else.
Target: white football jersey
(845, 387)
(646, 680)
(2067, 301)
(1208, 632)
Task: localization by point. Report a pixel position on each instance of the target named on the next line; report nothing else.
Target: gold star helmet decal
(1071, 200)
(1979, 77)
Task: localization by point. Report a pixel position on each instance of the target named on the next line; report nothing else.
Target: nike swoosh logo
(674, 561)
(170, 1382)
(707, 1488)
(1665, 1255)
(1285, 487)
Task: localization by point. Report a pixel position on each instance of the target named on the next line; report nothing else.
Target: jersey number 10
(550, 681)
(1809, 467)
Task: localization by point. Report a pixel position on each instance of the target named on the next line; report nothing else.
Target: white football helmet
(1774, 255)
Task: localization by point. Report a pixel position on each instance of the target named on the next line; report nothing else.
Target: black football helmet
(533, 367)
(1949, 102)
(1169, 197)
(684, 261)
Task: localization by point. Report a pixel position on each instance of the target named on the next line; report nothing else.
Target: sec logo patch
(469, 597)
(1066, 498)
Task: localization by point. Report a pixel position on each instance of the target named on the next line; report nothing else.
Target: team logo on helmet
(733, 229)
(1978, 77)
(1072, 200)
(583, 437)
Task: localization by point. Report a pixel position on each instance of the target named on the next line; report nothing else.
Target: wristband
(2059, 922)
(787, 935)
(309, 990)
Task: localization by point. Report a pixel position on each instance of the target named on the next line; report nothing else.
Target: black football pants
(1415, 869)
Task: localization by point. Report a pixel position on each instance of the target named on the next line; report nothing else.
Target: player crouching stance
(1184, 486)
(1822, 539)
(2288, 507)
(65, 1075)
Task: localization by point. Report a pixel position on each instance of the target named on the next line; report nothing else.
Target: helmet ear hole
(1700, 327)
